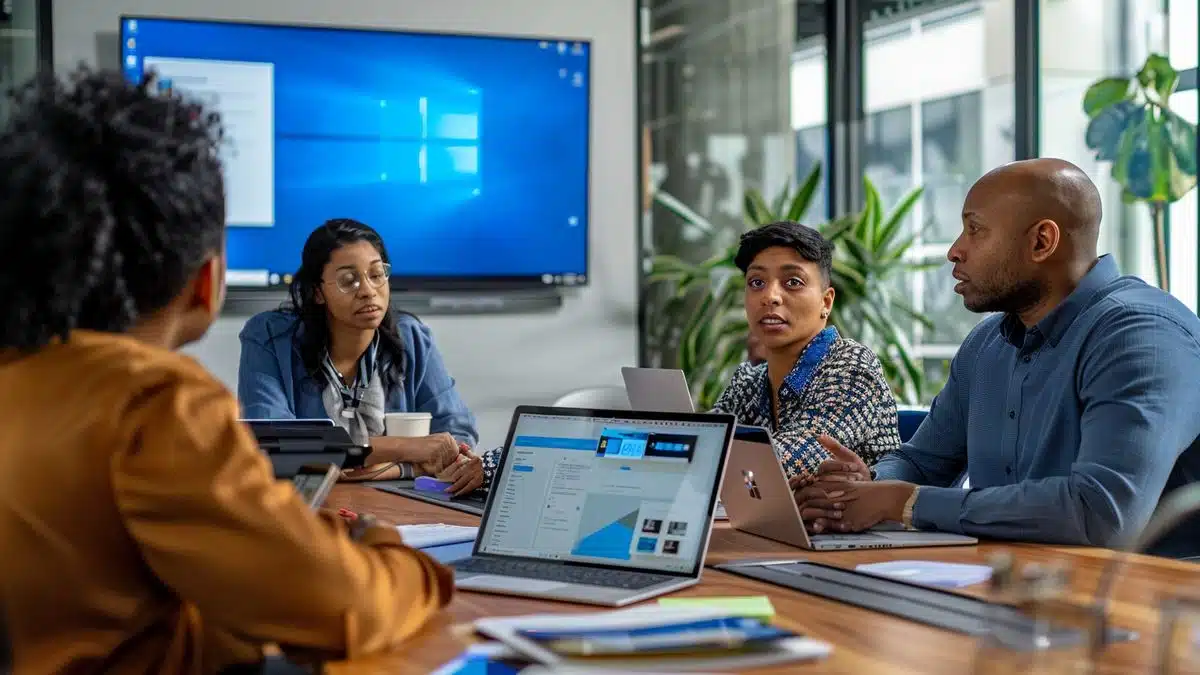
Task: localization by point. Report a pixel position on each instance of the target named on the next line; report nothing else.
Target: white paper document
(426, 535)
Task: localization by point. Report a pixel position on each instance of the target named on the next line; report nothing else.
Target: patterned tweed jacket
(837, 387)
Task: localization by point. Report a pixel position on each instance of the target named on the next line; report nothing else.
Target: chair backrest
(604, 398)
(910, 419)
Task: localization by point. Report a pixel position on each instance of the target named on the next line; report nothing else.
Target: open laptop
(664, 389)
(605, 507)
(759, 500)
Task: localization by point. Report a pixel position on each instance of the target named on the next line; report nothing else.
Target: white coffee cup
(407, 424)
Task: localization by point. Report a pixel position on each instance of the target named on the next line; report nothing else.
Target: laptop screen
(613, 491)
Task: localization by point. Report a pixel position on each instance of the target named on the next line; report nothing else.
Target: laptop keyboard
(568, 574)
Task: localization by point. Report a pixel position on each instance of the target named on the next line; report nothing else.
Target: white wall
(499, 361)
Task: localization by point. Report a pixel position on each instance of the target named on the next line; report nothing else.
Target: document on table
(426, 535)
(930, 572)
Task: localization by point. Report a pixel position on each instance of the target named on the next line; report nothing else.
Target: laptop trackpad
(499, 583)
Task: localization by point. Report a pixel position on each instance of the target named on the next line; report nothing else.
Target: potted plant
(696, 315)
(1152, 149)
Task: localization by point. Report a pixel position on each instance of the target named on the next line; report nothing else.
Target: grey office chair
(604, 398)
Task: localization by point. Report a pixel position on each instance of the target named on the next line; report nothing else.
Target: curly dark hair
(111, 197)
(312, 330)
(807, 241)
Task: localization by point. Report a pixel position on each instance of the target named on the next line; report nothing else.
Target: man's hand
(864, 504)
(843, 465)
(822, 502)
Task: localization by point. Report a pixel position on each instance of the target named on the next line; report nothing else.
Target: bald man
(1073, 409)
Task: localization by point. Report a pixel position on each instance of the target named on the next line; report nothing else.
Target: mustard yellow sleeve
(214, 525)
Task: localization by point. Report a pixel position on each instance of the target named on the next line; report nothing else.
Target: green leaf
(669, 263)
(1160, 162)
(913, 314)
(898, 251)
(1175, 182)
(1104, 93)
(711, 386)
(781, 199)
(697, 344)
(873, 214)
(1106, 130)
(683, 211)
(835, 230)
(804, 195)
(858, 252)
(1133, 167)
(892, 224)
(687, 358)
(1158, 74)
(915, 376)
(737, 329)
(757, 211)
(857, 282)
(721, 260)
(1181, 136)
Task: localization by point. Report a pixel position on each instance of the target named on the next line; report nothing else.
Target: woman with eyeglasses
(337, 351)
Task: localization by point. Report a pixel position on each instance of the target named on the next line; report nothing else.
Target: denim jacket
(274, 384)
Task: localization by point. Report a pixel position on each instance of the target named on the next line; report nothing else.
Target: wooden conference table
(863, 641)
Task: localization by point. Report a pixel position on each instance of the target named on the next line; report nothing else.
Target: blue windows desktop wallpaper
(469, 154)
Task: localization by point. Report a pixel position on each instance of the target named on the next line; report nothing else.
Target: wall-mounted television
(468, 153)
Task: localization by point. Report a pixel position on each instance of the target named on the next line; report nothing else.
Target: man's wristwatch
(906, 516)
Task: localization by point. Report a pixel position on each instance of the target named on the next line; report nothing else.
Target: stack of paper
(646, 639)
(427, 535)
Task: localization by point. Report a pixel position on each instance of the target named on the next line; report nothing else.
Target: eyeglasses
(349, 281)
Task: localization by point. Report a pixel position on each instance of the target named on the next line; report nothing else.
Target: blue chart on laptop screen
(610, 491)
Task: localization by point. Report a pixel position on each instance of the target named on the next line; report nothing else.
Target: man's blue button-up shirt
(1071, 430)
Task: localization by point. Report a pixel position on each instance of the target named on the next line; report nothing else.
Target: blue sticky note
(930, 573)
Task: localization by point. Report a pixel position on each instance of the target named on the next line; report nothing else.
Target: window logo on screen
(751, 484)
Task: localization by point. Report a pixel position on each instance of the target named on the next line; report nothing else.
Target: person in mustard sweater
(142, 529)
